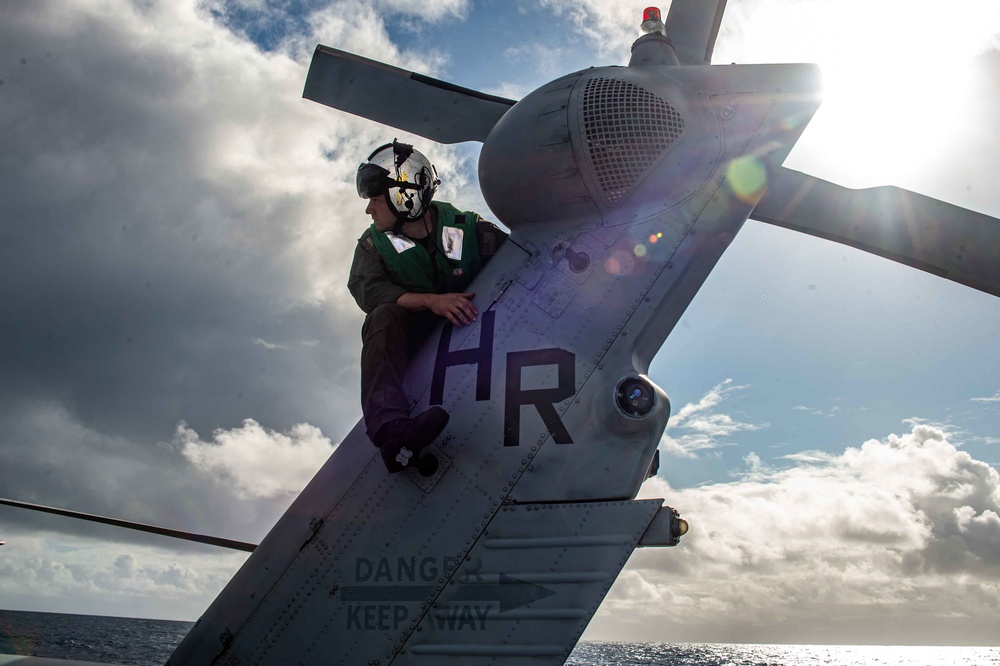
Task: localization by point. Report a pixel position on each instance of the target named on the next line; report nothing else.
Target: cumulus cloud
(609, 27)
(360, 27)
(257, 462)
(993, 398)
(126, 566)
(40, 568)
(187, 195)
(432, 10)
(701, 426)
(905, 526)
(186, 210)
(286, 26)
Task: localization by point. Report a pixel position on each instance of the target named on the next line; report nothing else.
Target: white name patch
(401, 243)
(452, 240)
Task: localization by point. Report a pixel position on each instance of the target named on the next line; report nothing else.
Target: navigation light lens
(635, 397)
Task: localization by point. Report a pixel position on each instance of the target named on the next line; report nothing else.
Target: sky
(179, 348)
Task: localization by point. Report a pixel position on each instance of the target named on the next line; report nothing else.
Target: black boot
(402, 440)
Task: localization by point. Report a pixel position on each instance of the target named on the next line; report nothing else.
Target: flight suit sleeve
(369, 281)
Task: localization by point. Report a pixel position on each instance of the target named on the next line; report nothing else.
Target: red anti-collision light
(651, 14)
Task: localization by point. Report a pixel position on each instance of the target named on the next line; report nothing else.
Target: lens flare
(639, 250)
(621, 262)
(747, 177)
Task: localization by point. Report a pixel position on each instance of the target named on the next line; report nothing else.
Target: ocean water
(90, 637)
(724, 654)
(150, 642)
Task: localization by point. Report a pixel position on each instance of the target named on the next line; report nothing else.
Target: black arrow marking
(386, 592)
(510, 592)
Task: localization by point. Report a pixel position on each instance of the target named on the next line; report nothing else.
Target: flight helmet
(403, 175)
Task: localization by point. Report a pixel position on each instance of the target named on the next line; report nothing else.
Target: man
(411, 268)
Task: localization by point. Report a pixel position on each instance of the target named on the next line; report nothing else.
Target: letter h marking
(481, 356)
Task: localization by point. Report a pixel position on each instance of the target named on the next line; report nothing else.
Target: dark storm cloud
(177, 343)
(144, 246)
(176, 224)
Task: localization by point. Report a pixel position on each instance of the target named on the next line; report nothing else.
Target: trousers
(389, 338)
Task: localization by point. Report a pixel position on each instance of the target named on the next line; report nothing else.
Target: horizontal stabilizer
(915, 230)
(412, 102)
(693, 27)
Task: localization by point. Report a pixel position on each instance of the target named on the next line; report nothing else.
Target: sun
(897, 77)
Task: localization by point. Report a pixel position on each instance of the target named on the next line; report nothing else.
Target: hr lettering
(515, 397)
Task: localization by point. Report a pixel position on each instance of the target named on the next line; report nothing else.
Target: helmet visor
(373, 180)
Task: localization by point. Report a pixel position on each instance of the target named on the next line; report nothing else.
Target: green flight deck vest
(448, 269)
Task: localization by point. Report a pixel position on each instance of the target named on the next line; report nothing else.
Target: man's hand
(456, 308)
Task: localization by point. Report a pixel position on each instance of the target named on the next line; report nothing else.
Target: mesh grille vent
(627, 128)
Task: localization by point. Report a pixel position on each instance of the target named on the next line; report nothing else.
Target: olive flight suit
(385, 267)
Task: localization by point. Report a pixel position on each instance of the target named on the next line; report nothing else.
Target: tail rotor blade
(693, 27)
(412, 102)
(912, 229)
(127, 524)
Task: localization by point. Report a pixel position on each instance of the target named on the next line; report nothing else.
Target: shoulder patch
(367, 244)
(490, 238)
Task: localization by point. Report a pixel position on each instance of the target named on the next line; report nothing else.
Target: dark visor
(373, 180)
